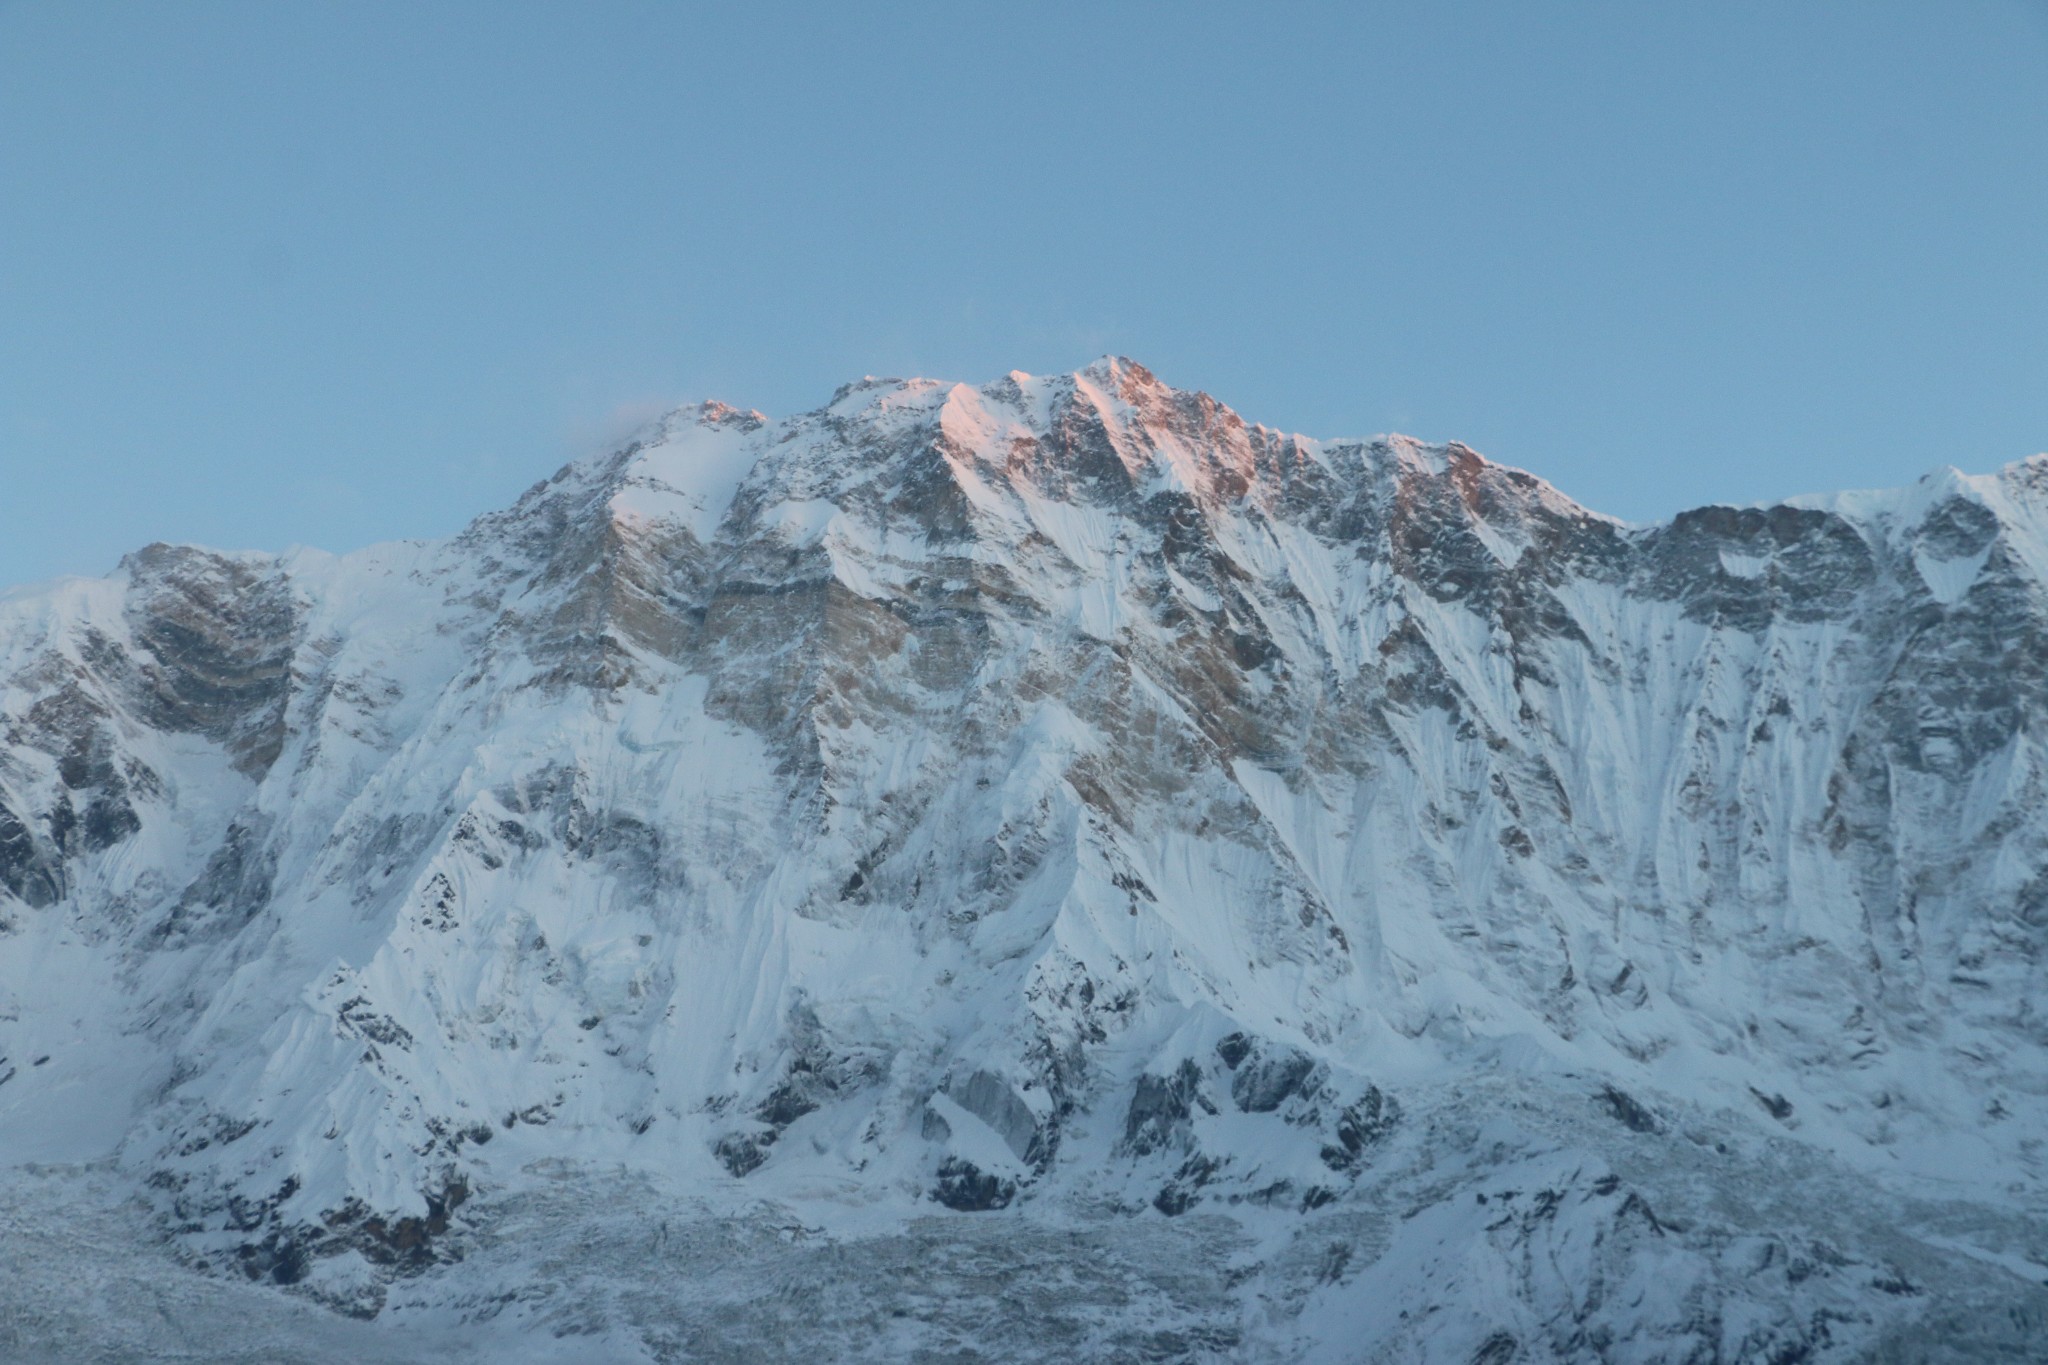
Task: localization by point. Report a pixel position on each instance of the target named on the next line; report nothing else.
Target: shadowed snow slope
(965, 823)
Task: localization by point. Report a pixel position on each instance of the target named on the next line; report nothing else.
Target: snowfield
(1040, 871)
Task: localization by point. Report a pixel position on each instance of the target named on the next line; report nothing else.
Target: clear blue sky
(332, 273)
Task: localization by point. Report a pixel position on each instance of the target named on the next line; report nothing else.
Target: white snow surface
(966, 822)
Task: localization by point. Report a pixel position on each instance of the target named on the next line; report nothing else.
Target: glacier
(1039, 870)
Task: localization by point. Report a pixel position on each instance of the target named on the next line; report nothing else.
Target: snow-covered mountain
(1263, 897)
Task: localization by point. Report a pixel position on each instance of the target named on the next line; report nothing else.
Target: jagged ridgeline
(1062, 802)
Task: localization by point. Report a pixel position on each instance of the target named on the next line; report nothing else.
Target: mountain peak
(1120, 373)
(712, 413)
(1058, 795)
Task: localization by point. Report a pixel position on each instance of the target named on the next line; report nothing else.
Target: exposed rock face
(1053, 791)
